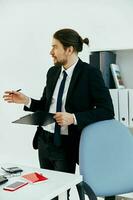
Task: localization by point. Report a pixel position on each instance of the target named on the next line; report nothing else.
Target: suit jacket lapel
(53, 82)
(74, 78)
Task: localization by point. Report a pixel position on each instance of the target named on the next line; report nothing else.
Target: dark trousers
(53, 157)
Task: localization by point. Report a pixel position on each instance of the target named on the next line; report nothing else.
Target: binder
(123, 106)
(114, 96)
(130, 106)
(37, 118)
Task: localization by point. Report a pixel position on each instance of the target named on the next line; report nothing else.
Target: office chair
(106, 159)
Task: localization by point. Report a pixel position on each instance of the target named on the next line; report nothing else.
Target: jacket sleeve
(102, 103)
(37, 104)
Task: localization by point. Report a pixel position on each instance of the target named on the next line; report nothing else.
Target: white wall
(26, 28)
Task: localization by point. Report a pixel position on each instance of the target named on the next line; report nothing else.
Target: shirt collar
(69, 71)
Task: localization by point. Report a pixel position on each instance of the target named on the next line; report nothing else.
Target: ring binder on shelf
(114, 96)
(123, 106)
(130, 96)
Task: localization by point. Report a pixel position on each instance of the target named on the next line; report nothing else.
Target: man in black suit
(81, 100)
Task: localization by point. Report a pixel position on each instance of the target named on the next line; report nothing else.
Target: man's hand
(15, 97)
(64, 118)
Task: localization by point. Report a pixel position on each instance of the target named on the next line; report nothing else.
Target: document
(37, 118)
(117, 76)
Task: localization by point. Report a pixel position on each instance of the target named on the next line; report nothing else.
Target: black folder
(37, 118)
(102, 60)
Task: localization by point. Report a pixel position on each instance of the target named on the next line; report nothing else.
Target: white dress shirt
(52, 109)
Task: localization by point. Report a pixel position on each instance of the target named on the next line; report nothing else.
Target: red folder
(34, 177)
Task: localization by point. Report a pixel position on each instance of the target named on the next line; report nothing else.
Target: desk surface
(57, 183)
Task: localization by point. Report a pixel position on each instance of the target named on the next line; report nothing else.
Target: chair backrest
(106, 158)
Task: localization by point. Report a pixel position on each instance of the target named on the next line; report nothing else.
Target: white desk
(57, 184)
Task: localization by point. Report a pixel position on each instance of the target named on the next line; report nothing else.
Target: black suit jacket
(87, 98)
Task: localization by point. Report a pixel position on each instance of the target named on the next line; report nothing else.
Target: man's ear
(70, 50)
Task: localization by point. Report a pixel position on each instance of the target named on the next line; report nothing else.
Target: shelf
(111, 49)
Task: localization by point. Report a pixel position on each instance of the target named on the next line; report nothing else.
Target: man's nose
(51, 52)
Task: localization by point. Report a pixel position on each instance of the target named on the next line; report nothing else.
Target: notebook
(34, 177)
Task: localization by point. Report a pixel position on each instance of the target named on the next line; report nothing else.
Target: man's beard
(60, 63)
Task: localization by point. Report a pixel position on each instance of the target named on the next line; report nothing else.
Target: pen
(18, 90)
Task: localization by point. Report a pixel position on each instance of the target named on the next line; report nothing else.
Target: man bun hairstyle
(69, 37)
(86, 41)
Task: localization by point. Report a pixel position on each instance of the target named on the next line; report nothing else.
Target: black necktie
(57, 136)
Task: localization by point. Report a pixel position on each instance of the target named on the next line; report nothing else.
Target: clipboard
(40, 118)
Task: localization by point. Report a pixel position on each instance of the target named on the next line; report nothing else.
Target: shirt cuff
(75, 121)
(29, 104)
